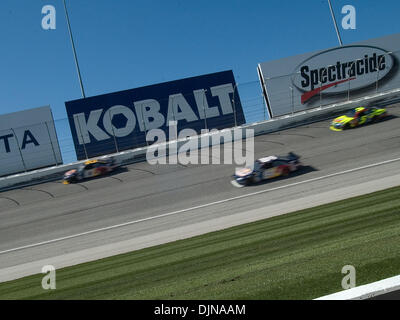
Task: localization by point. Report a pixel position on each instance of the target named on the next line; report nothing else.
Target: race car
(357, 117)
(266, 168)
(91, 168)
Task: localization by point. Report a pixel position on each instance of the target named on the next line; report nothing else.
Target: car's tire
(381, 116)
(285, 172)
(248, 182)
(71, 180)
(252, 180)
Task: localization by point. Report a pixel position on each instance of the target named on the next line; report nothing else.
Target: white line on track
(197, 207)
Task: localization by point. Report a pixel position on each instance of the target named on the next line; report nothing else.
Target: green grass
(295, 256)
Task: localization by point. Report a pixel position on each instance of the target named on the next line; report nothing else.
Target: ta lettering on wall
(119, 121)
(28, 141)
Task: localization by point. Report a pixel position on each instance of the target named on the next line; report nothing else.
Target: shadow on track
(303, 170)
(387, 118)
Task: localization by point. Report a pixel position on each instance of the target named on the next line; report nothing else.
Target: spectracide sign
(329, 76)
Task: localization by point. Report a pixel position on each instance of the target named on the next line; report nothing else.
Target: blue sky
(124, 44)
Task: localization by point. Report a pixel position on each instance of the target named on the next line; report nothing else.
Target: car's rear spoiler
(293, 156)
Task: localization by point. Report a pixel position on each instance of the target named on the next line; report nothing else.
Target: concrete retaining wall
(264, 127)
(366, 291)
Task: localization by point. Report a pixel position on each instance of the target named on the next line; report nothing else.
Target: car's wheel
(253, 179)
(70, 180)
(285, 172)
(75, 179)
(248, 182)
(381, 116)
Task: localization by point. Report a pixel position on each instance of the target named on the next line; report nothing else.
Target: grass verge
(295, 256)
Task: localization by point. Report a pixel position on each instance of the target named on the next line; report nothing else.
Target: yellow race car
(357, 117)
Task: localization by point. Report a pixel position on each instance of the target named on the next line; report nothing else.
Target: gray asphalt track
(155, 203)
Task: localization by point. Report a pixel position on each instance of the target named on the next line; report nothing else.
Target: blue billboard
(119, 121)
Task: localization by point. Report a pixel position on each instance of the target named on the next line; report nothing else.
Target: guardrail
(139, 154)
(366, 291)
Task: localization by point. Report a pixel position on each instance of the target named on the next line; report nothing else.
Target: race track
(145, 205)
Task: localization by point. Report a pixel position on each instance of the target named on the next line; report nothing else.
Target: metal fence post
(233, 104)
(377, 76)
(19, 149)
(112, 127)
(204, 109)
(320, 93)
(144, 126)
(51, 143)
(378, 67)
(348, 89)
(264, 107)
(176, 127)
(172, 146)
(83, 140)
(291, 99)
(173, 114)
(294, 79)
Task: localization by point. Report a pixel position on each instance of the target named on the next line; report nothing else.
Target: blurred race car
(357, 117)
(91, 168)
(267, 168)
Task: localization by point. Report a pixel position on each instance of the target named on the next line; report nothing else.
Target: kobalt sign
(119, 121)
(28, 141)
(329, 76)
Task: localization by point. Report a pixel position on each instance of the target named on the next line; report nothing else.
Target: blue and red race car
(91, 168)
(267, 168)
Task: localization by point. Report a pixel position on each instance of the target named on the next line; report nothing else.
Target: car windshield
(351, 113)
(257, 165)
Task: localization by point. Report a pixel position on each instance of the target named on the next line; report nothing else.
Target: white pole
(74, 51)
(334, 22)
